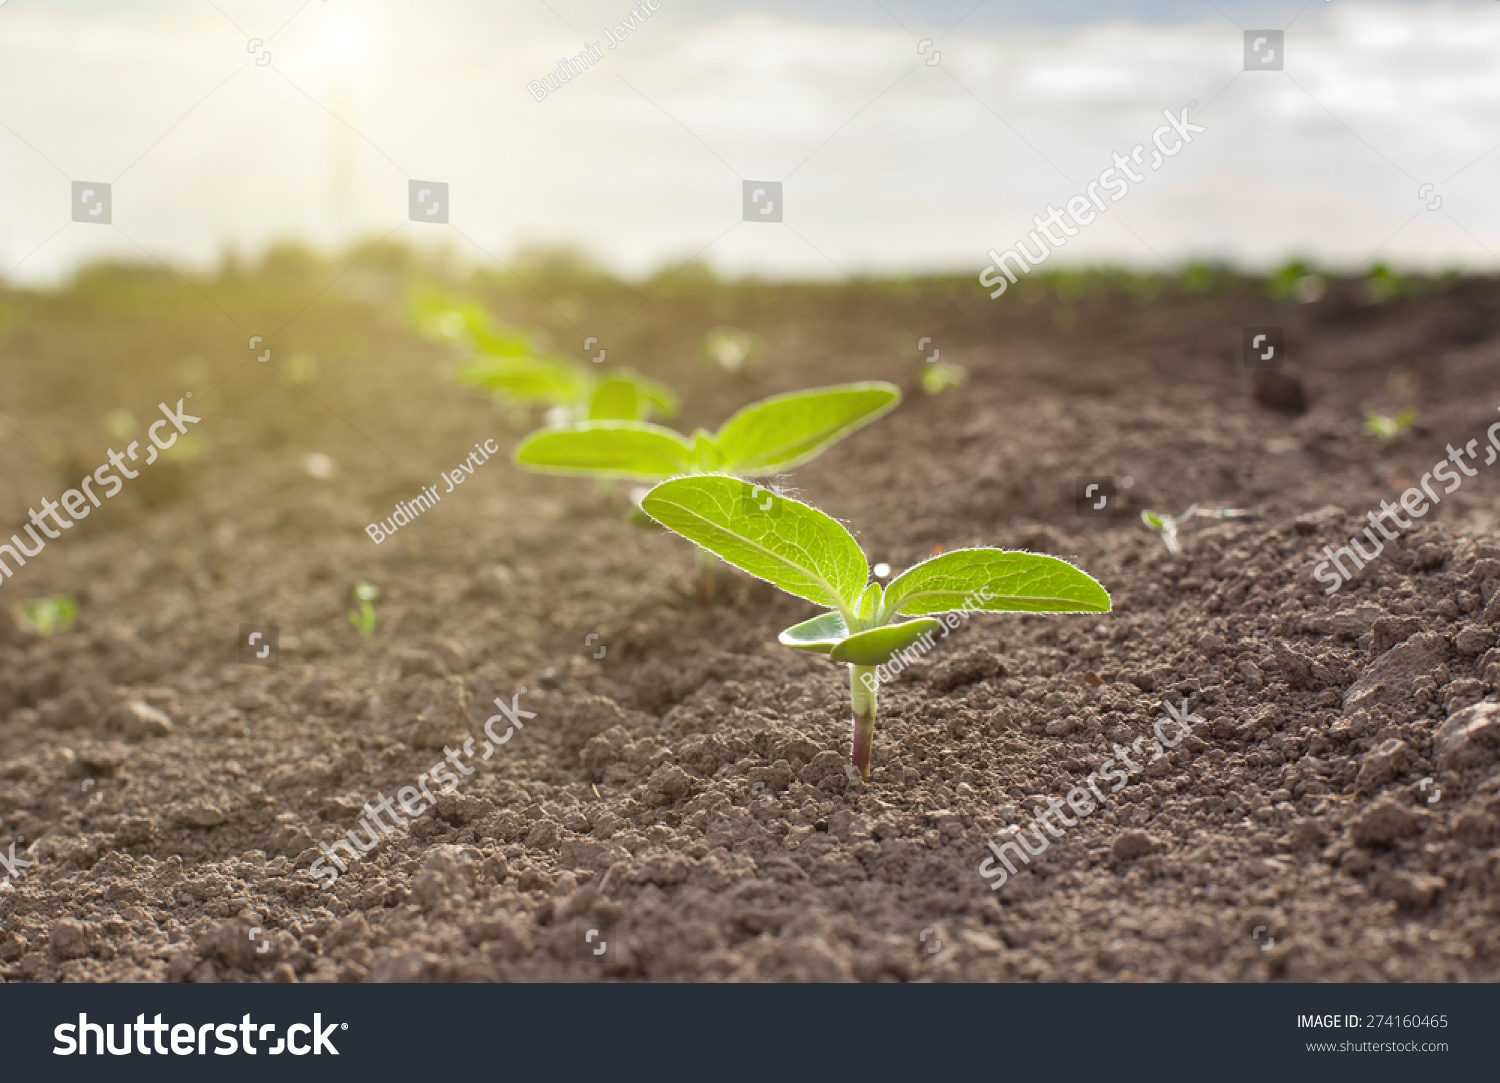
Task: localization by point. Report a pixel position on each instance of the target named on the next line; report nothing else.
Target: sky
(907, 137)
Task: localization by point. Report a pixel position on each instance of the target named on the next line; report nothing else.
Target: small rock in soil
(1413, 890)
(1130, 845)
(1384, 822)
(138, 720)
(1278, 391)
(1381, 765)
(74, 709)
(1470, 738)
(70, 939)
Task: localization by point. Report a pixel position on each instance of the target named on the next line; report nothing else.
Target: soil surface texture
(680, 808)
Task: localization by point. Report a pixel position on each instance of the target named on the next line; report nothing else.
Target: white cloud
(926, 176)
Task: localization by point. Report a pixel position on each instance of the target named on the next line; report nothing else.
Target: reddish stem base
(864, 746)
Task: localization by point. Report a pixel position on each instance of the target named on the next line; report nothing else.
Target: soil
(682, 787)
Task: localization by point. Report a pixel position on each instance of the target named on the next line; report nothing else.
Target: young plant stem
(864, 699)
(707, 565)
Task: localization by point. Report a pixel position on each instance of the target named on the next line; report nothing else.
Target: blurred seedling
(1295, 281)
(121, 425)
(1204, 279)
(1387, 428)
(730, 349)
(502, 364)
(767, 437)
(1382, 285)
(50, 615)
(939, 376)
(364, 618)
(804, 552)
(189, 447)
(1167, 525)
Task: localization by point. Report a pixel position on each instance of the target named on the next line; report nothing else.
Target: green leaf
(618, 449)
(706, 453)
(820, 634)
(616, 400)
(772, 537)
(879, 645)
(500, 345)
(783, 431)
(1014, 582)
(868, 609)
(656, 393)
(1388, 428)
(729, 348)
(447, 319)
(528, 379)
(626, 395)
(50, 615)
(940, 376)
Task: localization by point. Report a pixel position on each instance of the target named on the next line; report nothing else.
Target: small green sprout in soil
(364, 617)
(767, 437)
(804, 552)
(1168, 525)
(1205, 279)
(1386, 428)
(502, 363)
(939, 376)
(1293, 281)
(1382, 285)
(189, 448)
(731, 350)
(569, 391)
(50, 615)
(120, 425)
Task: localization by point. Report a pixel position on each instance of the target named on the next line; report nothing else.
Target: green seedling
(570, 391)
(50, 615)
(939, 376)
(768, 437)
(1204, 279)
(1382, 285)
(120, 425)
(1282, 283)
(462, 322)
(364, 618)
(731, 350)
(1168, 525)
(1386, 428)
(189, 448)
(807, 554)
(503, 365)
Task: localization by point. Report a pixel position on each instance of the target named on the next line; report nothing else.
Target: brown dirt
(686, 792)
